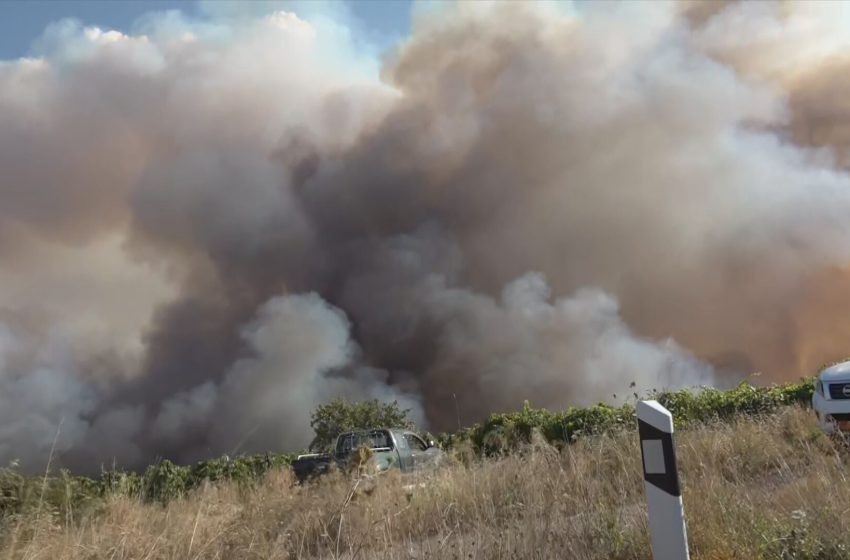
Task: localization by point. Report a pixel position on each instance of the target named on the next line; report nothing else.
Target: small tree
(338, 416)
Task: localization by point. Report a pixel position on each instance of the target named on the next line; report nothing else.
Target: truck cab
(390, 449)
(831, 398)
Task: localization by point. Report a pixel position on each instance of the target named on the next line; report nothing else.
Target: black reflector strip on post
(654, 442)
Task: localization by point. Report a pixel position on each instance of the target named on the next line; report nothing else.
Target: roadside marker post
(661, 480)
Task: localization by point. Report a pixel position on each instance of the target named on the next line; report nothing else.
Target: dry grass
(774, 488)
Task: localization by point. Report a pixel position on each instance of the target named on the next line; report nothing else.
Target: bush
(501, 433)
(339, 415)
(161, 482)
(504, 432)
(63, 496)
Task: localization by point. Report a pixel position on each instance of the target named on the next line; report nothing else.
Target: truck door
(405, 459)
(418, 450)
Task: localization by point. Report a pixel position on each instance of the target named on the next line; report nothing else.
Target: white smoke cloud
(556, 353)
(298, 347)
(43, 404)
(683, 195)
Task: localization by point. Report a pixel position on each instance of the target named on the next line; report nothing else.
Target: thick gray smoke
(209, 227)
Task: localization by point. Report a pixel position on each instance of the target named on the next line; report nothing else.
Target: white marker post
(663, 496)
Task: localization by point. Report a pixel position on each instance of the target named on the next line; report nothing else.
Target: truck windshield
(373, 440)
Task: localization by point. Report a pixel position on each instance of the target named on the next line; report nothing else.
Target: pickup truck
(831, 398)
(390, 449)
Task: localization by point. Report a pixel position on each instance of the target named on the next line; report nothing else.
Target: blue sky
(381, 22)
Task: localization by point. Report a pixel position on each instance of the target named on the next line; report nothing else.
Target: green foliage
(65, 495)
(339, 415)
(164, 481)
(120, 483)
(714, 404)
(502, 433)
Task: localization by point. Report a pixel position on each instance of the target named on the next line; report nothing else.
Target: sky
(382, 22)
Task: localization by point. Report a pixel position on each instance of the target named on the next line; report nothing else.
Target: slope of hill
(755, 486)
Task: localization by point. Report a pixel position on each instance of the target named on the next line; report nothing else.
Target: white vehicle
(831, 399)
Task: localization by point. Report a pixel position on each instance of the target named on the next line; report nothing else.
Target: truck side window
(415, 443)
(344, 445)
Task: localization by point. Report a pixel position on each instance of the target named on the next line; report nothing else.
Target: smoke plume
(210, 226)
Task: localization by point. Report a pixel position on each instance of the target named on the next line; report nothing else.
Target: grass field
(769, 487)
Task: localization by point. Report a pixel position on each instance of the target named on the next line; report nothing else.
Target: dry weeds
(772, 488)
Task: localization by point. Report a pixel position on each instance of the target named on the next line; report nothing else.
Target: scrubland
(768, 486)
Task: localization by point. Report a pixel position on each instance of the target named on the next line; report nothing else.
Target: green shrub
(504, 432)
(339, 415)
(164, 481)
(13, 491)
(244, 470)
(120, 483)
(63, 495)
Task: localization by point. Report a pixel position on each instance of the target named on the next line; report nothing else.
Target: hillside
(764, 485)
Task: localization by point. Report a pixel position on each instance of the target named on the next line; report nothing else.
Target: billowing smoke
(209, 227)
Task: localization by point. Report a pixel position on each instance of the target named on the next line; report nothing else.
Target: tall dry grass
(771, 488)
